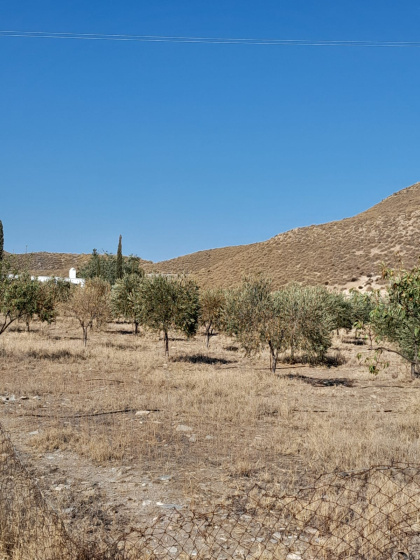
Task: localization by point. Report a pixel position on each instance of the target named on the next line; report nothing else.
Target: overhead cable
(205, 40)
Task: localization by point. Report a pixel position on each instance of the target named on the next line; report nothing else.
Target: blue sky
(183, 147)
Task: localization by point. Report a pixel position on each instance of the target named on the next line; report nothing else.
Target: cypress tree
(119, 259)
(1, 241)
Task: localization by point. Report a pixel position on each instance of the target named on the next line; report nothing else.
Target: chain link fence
(368, 514)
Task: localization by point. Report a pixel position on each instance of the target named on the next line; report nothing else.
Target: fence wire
(371, 514)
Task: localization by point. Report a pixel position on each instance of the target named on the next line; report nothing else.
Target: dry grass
(211, 422)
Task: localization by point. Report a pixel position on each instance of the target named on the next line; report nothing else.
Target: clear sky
(182, 147)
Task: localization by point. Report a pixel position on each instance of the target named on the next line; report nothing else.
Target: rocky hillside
(343, 253)
(346, 253)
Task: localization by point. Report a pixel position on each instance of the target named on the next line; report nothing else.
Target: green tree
(246, 313)
(119, 263)
(168, 303)
(211, 309)
(396, 318)
(362, 305)
(254, 315)
(105, 266)
(18, 299)
(1, 241)
(293, 318)
(123, 295)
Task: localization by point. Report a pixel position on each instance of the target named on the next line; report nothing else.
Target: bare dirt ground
(116, 434)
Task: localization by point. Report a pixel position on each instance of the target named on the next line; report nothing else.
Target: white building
(72, 278)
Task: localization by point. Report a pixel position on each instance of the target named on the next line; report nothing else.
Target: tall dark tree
(119, 259)
(1, 241)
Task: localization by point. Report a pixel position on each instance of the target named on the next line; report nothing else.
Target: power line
(205, 40)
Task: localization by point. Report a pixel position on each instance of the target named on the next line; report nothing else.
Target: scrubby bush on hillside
(164, 303)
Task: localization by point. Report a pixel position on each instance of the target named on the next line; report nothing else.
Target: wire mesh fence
(368, 514)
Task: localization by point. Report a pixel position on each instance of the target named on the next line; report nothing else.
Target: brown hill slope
(338, 253)
(53, 264)
(335, 253)
(50, 264)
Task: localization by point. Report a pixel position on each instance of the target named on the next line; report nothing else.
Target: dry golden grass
(214, 422)
(303, 419)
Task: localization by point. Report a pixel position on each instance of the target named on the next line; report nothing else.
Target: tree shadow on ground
(231, 348)
(201, 359)
(317, 382)
(124, 331)
(331, 360)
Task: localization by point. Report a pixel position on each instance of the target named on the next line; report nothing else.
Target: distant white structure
(72, 278)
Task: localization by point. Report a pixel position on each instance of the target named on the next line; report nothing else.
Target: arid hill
(345, 253)
(53, 264)
(342, 253)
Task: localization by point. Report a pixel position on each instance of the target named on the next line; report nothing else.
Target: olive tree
(18, 299)
(253, 315)
(90, 303)
(123, 299)
(165, 303)
(211, 309)
(293, 318)
(396, 318)
(362, 305)
(309, 317)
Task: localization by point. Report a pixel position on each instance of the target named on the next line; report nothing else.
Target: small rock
(34, 433)
(172, 550)
(278, 535)
(143, 412)
(193, 438)
(165, 477)
(61, 487)
(209, 437)
(293, 556)
(168, 506)
(183, 428)
(146, 502)
(24, 398)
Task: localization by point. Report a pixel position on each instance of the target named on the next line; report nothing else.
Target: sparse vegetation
(134, 432)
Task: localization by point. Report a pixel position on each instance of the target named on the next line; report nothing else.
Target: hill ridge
(342, 253)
